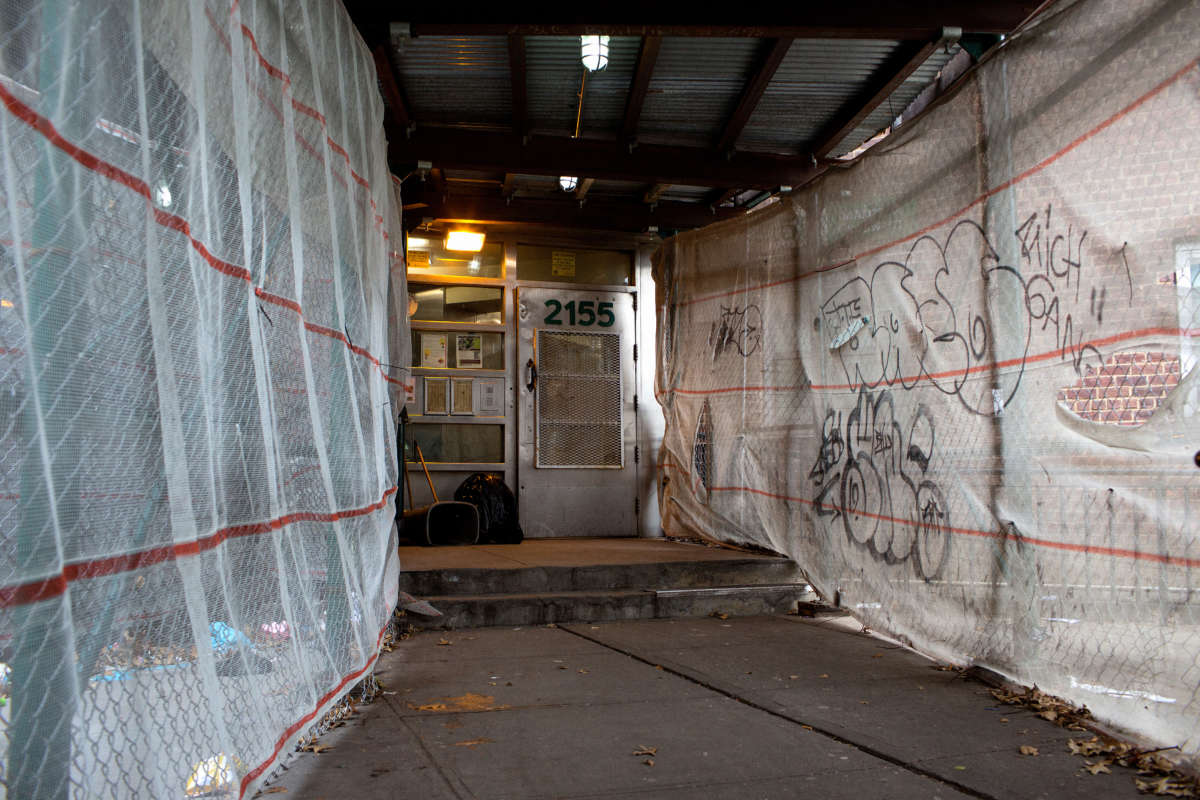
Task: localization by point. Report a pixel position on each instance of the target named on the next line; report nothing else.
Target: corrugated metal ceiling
(697, 82)
(554, 70)
(897, 101)
(695, 87)
(457, 79)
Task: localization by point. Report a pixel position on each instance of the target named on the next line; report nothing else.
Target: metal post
(45, 691)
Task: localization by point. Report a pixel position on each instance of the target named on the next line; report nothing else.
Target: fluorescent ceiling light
(466, 241)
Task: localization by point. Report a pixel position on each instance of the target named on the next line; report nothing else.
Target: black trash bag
(498, 522)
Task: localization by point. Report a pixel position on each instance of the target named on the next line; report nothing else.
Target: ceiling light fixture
(464, 241)
(568, 183)
(594, 50)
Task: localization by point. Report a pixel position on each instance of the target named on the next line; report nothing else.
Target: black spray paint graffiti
(872, 474)
(737, 329)
(941, 335)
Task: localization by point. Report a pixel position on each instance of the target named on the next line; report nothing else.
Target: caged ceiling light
(594, 50)
(568, 183)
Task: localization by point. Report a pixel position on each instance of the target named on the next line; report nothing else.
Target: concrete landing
(564, 580)
(763, 707)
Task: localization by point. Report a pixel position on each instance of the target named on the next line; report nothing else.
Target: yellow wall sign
(562, 263)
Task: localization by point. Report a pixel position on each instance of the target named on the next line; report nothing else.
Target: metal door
(577, 416)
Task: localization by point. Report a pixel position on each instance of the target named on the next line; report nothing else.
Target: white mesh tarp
(956, 380)
(197, 241)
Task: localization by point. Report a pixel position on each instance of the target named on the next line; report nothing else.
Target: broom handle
(421, 456)
(408, 485)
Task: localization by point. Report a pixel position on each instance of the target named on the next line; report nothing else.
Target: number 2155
(587, 313)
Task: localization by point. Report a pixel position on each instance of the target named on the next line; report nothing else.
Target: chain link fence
(198, 267)
(956, 381)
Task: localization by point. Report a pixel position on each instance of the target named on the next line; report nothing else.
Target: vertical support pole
(1012, 494)
(45, 688)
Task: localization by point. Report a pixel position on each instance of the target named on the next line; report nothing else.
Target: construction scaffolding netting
(956, 380)
(198, 268)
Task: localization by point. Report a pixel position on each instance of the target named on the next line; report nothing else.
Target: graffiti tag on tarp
(936, 332)
(872, 475)
(737, 329)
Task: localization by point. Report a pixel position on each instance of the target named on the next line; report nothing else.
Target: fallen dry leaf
(472, 742)
(1167, 786)
(1004, 719)
(1098, 768)
(649, 762)
(467, 702)
(645, 750)
(807, 727)
(1028, 750)
(583, 671)
(444, 642)
(719, 615)
(562, 666)
(823, 675)
(793, 677)
(1085, 747)
(877, 655)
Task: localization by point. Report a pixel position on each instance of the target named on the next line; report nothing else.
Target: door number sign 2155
(583, 314)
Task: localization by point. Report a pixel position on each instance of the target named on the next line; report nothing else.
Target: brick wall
(1126, 390)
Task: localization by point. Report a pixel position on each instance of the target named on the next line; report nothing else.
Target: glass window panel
(428, 256)
(457, 303)
(574, 265)
(492, 349)
(452, 443)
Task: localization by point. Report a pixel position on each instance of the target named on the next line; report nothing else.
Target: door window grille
(579, 400)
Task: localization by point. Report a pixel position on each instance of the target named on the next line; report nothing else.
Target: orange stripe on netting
(47, 588)
(165, 219)
(302, 107)
(1170, 80)
(286, 80)
(1116, 552)
(911, 380)
(1013, 362)
(310, 716)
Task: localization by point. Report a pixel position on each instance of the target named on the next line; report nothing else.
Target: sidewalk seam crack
(864, 748)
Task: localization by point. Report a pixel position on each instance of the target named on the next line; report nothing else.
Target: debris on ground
(471, 744)
(809, 608)
(1156, 774)
(1047, 706)
(470, 701)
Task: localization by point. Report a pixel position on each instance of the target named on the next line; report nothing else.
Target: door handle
(530, 375)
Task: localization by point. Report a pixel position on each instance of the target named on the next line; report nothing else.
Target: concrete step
(749, 571)
(485, 610)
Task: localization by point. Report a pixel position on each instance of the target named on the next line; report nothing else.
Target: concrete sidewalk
(760, 707)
